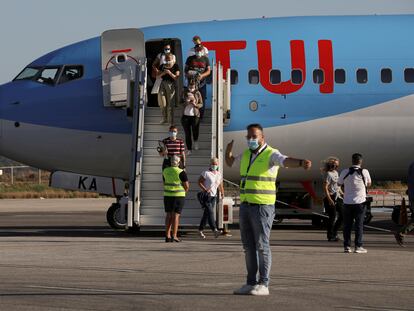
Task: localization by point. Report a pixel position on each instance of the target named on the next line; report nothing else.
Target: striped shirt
(174, 147)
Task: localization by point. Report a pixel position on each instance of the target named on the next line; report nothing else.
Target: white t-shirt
(191, 52)
(212, 181)
(276, 158)
(189, 110)
(354, 188)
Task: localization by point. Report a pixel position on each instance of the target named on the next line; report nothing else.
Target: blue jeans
(208, 215)
(255, 226)
(351, 213)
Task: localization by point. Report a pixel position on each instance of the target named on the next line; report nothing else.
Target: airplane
(320, 86)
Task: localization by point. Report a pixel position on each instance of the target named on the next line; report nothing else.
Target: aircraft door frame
(121, 50)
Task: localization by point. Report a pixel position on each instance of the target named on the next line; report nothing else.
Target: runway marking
(373, 308)
(91, 290)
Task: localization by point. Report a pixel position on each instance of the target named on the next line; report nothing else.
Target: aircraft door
(120, 51)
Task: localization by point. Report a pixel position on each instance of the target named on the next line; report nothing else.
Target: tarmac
(61, 255)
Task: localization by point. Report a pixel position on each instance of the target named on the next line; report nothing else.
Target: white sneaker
(260, 290)
(360, 250)
(245, 290)
(347, 250)
(201, 233)
(196, 145)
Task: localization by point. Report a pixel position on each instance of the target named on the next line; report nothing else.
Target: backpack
(357, 170)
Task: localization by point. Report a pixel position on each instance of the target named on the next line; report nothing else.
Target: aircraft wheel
(113, 217)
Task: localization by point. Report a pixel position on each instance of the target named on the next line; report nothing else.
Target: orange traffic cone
(403, 214)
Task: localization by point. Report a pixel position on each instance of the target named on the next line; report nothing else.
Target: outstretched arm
(292, 162)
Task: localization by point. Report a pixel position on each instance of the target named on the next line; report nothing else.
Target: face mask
(191, 89)
(173, 134)
(169, 62)
(253, 144)
(214, 167)
(167, 51)
(199, 54)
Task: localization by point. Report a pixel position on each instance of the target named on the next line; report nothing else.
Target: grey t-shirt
(331, 178)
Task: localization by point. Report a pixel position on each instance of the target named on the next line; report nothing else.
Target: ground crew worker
(399, 236)
(259, 165)
(175, 187)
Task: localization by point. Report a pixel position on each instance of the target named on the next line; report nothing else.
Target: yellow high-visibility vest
(172, 183)
(258, 182)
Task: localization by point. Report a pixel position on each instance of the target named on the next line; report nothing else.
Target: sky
(32, 28)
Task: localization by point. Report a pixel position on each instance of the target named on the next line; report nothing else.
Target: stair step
(155, 180)
(163, 128)
(191, 160)
(156, 169)
(156, 136)
(156, 112)
(152, 152)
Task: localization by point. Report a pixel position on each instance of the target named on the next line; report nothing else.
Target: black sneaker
(399, 238)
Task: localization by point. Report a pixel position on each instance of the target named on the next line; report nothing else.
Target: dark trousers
(208, 215)
(203, 91)
(191, 125)
(335, 217)
(353, 213)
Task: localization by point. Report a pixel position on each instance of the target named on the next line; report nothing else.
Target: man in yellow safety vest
(259, 165)
(175, 187)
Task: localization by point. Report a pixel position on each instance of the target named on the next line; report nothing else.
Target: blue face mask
(214, 167)
(173, 134)
(253, 144)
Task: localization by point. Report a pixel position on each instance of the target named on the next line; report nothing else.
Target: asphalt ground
(61, 255)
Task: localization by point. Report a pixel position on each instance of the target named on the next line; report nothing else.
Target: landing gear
(115, 218)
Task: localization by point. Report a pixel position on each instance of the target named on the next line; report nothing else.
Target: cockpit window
(45, 75)
(48, 75)
(28, 73)
(70, 73)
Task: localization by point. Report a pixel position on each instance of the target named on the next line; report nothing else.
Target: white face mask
(173, 134)
(191, 89)
(199, 54)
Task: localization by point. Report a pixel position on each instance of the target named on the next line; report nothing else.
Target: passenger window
(362, 76)
(71, 73)
(48, 76)
(409, 75)
(340, 76)
(297, 76)
(318, 76)
(253, 77)
(275, 76)
(386, 75)
(234, 77)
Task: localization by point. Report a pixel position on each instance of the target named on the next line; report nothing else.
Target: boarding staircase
(146, 206)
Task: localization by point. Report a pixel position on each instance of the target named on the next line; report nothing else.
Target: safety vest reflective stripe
(252, 191)
(175, 191)
(258, 182)
(260, 178)
(172, 184)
